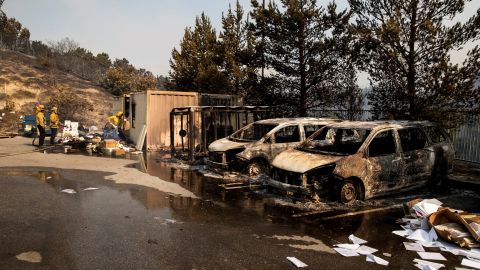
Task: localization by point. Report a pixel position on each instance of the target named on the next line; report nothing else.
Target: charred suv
(360, 160)
(253, 147)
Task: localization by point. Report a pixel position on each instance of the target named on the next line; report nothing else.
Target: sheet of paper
(413, 246)
(432, 235)
(430, 244)
(471, 263)
(420, 235)
(297, 262)
(348, 246)
(346, 252)
(433, 201)
(436, 256)
(375, 259)
(69, 191)
(425, 267)
(356, 240)
(403, 233)
(433, 264)
(90, 188)
(365, 250)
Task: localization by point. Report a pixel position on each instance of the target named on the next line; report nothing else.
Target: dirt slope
(28, 82)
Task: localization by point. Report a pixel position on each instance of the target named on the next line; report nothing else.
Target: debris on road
(356, 240)
(297, 262)
(30, 256)
(375, 259)
(90, 188)
(431, 225)
(69, 191)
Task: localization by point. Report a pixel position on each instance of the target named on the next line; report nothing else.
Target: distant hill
(29, 81)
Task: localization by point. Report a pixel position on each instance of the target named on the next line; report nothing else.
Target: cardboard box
(111, 144)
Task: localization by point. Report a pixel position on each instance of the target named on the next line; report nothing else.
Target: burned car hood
(225, 144)
(294, 160)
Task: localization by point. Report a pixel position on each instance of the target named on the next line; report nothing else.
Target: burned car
(361, 160)
(254, 146)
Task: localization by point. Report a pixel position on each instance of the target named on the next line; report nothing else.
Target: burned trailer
(252, 148)
(360, 160)
(193, 128)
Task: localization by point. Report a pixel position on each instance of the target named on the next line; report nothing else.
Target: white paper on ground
(471, 263)
(425, 267)
(365, 250)
(49, 177)
(432, 264)
(413, 246)
(424, 224)
(420, 235)
(90, 188)
(356, 240)
(433, 201)
(430, 244)
(432, 235)
(348, 246)
(375, 259)
(475, 227)
(69, 191)
(431, 256)
(297, 262)
(403, 233)
(346, 252)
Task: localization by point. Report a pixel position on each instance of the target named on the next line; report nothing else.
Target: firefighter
(40, 122)
(54, 122)
(116, 120)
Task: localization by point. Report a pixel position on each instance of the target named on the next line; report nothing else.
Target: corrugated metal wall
(160, 104)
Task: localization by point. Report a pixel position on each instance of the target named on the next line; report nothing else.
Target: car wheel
(349, 192)
(256, 168)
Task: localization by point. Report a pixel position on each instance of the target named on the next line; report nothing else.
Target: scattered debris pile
(93, 140)
(357, 247)
(430, 229)
(430, 225)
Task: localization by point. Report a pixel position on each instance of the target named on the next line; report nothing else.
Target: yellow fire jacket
(54, 121)
(40, 119)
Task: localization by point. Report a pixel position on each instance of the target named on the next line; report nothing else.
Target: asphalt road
(135, 227)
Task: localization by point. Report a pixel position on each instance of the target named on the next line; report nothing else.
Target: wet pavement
(124, 226)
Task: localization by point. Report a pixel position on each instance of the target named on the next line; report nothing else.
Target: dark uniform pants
(54, 134)
(41, 138)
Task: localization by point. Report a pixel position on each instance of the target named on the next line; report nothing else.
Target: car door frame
(418, 163)
(274, 146)
(394, 166)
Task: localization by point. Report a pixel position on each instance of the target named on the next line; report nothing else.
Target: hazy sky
(143, 31)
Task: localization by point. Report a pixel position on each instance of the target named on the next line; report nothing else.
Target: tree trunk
(411, 73)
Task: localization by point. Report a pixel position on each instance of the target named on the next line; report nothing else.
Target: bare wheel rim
(348, 192)
(255, 169)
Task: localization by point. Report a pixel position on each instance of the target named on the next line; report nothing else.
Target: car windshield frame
(306, 146)
(240, 131)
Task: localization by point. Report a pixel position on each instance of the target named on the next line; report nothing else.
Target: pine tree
(197, 65)
(304, 45)
(406, 46)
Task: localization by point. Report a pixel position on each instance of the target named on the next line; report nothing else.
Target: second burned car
(254, 146)
(361, 160)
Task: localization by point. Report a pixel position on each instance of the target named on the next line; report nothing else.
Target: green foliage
(123, 78)
(196, 66)
(307, 48)
(405, 46)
